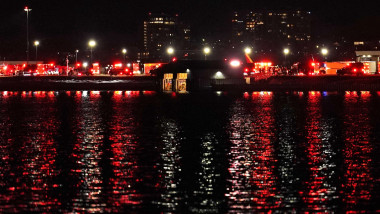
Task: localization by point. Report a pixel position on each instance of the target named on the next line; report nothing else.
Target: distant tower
(160, 32)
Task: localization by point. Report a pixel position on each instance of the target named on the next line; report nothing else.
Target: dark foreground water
(144, 152)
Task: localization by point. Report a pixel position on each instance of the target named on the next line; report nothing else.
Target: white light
(206, 50)
(286, 51)
(91, 43)
(219, 75)
(324, 51)
(77, 51)
(235, 63)
(129, 65)
(170, 50)
(85, 64)
(187, 70)
(248, 50)
(36, 43)
(124, 51)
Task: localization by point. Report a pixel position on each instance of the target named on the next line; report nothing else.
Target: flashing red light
(126, 69)
(246, 70)
(24, 65)
(78, 64)
(355, 70)
(121, 73)
(118, 65)
(79, 74)
(5, 67)
(313, 64)
(174, 59)
(96, 64)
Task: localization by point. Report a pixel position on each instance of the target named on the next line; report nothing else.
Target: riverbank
(49, 83)
(310, 83)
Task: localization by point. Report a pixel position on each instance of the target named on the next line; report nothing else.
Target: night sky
(67, 25)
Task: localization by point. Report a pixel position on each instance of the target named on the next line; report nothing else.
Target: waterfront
(131, 151)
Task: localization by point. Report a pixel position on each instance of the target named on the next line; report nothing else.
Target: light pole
(76, 56)
(170, 52)
(92, 44)
(286, 52)
(27, 33)
(324, 52)
(206, 51)
(36, 43)
(124, 52)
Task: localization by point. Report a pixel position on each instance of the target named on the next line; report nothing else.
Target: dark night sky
(67, 24)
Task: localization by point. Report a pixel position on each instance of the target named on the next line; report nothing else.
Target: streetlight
(85, 64)
(247, 50)
(27, 10)
(170, 52)
(206, 50)
(324, 52)
(286, 52)
(36, 43)
(124, 52)
(92, 44)
(76, 56)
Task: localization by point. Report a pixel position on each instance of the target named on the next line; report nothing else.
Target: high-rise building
(162, 31)
(270, 30)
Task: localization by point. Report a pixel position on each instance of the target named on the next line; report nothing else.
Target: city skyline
(68, 25)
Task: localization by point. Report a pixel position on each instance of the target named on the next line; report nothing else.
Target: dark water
(144, 152)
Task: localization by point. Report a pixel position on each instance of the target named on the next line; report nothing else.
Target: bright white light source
(219, 75)
(170, 50)
(206, 50)
(235, 63)
(85, 64)
(248, 50)
(324, 51)
(92, 43)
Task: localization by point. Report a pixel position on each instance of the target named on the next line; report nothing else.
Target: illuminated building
(160, 32)
(269, 30)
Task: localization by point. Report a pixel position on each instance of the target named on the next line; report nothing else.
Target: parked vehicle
(27, 70)
(352, 69)
(119, 69)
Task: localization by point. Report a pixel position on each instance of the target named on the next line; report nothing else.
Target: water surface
(145, 152)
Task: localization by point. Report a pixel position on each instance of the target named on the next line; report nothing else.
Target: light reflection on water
(130, 151)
